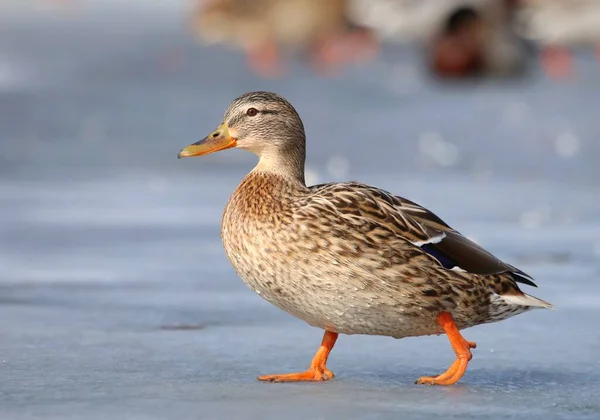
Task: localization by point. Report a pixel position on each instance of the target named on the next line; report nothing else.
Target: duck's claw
(461, 347)
(265, 60)
(317, 372)
(338, 49)
(557, 62)
(313, 374)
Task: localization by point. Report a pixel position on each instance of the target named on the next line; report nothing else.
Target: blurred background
(116, 297)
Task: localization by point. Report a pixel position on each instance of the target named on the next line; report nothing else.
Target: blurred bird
(557, 26)
(478, 41)
(461, 38)
(347, 257)
(265, 28)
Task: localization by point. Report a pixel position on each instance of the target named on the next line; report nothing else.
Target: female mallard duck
(347, 257)
(557, 26)
(261, 28)
(462, 38)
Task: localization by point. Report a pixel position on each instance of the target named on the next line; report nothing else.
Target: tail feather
(526, 300)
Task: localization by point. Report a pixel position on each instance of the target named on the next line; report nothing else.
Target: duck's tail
(526, 300)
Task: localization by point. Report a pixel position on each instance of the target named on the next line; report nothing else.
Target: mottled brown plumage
(247, 24)
(267, 30)
(347, 257)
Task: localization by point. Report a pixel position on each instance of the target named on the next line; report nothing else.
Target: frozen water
(116, 299)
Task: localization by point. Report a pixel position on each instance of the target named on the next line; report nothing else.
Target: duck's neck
(288, 165)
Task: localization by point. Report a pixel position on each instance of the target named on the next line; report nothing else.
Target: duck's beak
(220, 139)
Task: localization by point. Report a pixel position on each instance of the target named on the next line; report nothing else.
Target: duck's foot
(265, 60)
(461, 347)
(313, 374)
(354, 47)
(557, 62)
(316, 372)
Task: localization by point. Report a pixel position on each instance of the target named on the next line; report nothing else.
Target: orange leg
(557, 62)
(317, 370)
(265, 60)
(461, 347)
(338, 49)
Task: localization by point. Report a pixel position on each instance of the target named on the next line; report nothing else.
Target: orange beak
(220, 139)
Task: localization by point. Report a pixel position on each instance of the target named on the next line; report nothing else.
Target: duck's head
(264, 123)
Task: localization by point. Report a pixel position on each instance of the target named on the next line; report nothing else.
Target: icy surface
(116, 300)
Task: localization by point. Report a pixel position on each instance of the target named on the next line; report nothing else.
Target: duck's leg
(334, 50)
(317, 370)
(461, 347)
(265, 60)
(557, 62)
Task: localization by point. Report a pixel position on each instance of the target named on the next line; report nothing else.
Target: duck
(557, 26)
(350, 258)
(459, 38)
(264, 29)
(478, 40)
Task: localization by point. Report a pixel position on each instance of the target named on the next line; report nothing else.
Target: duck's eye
(251, 112)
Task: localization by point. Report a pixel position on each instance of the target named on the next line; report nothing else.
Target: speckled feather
(296, 24)
(351, 258)
(341, 258)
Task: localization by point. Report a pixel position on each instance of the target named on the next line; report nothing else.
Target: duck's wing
(415, 224)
